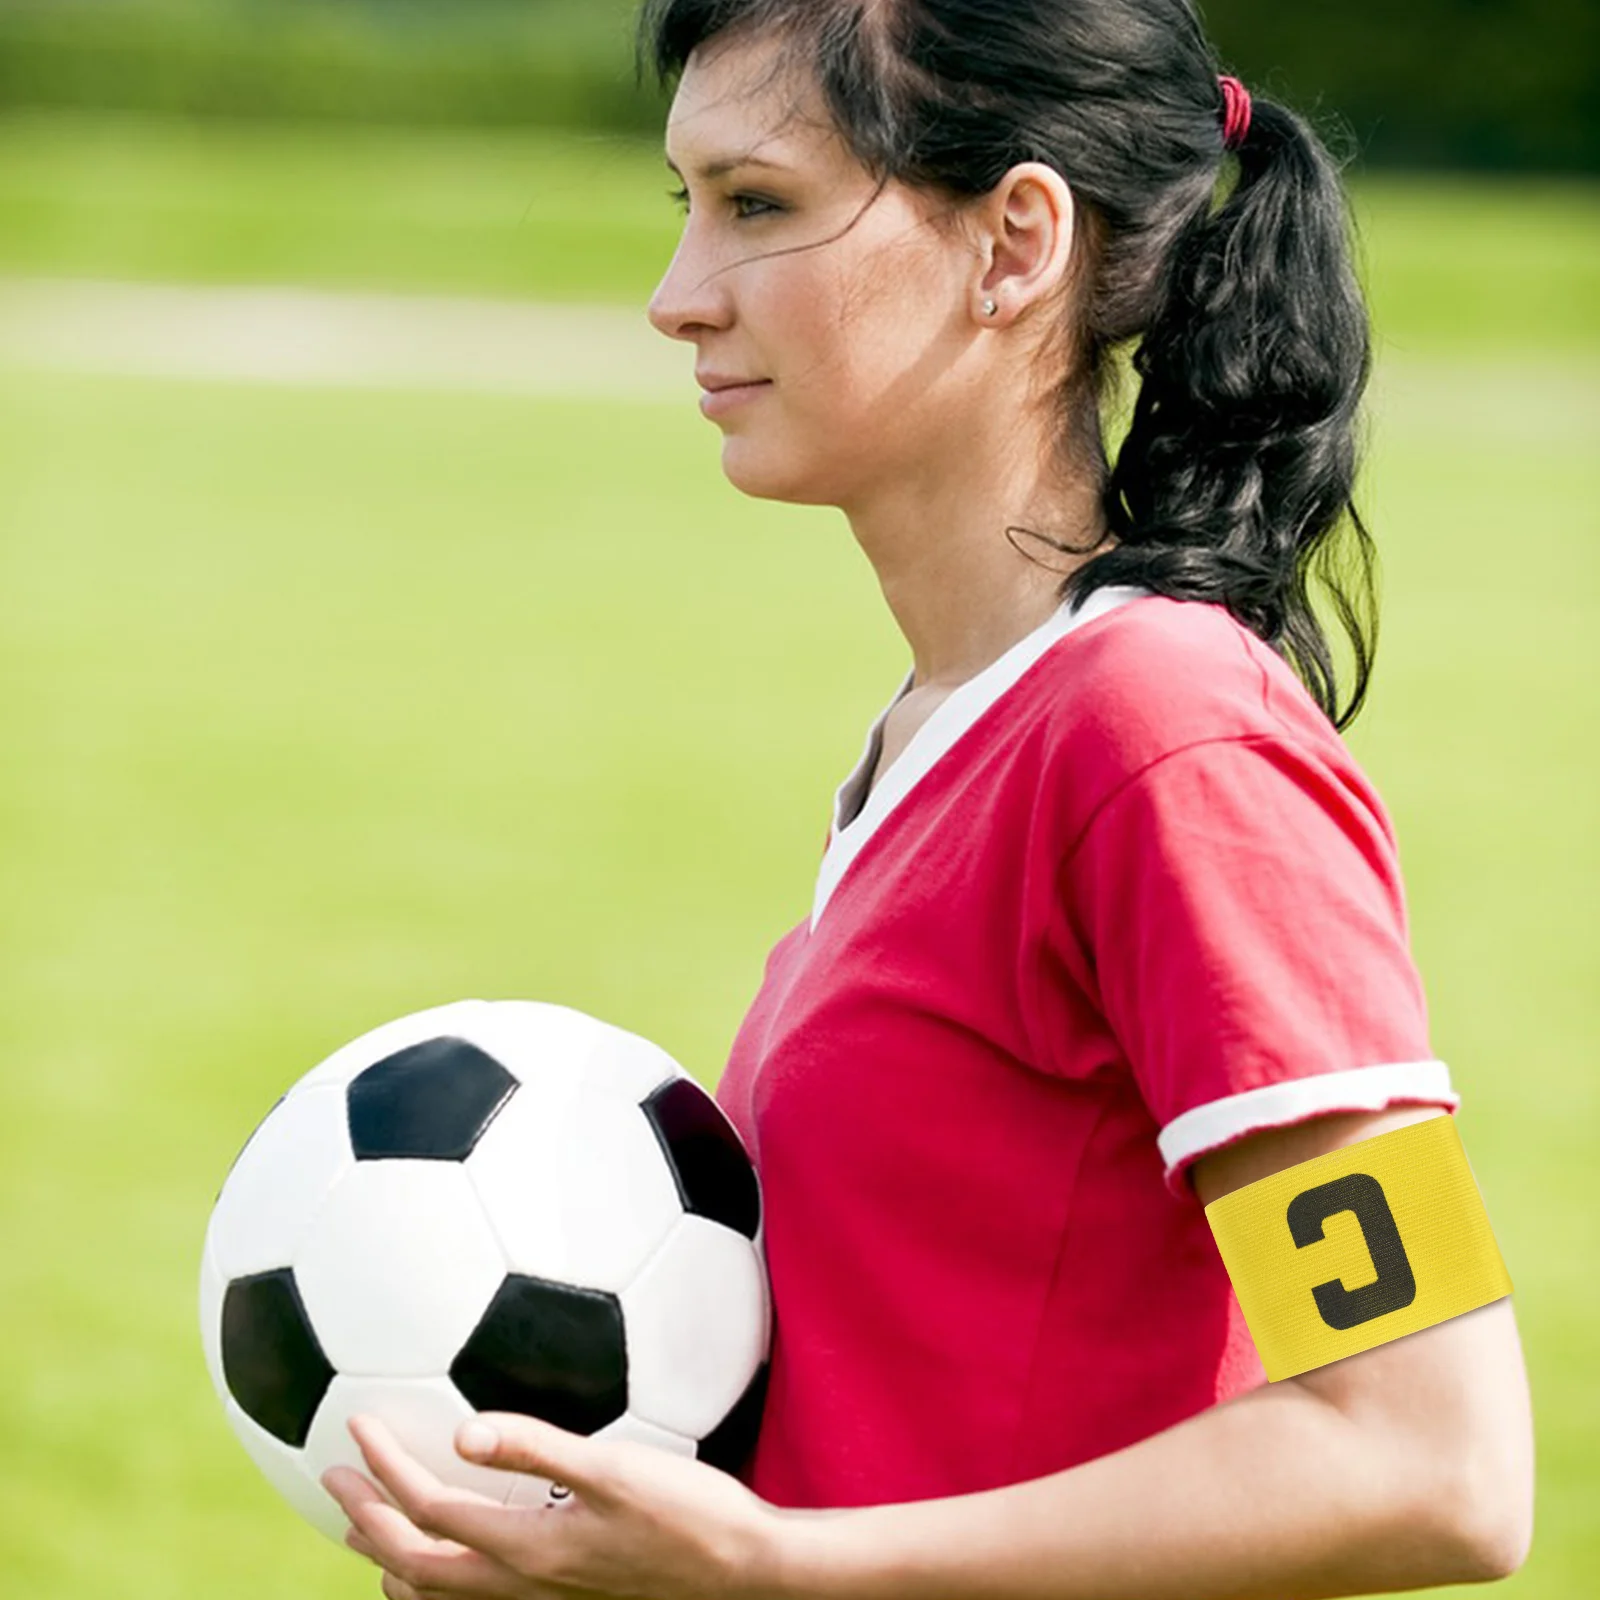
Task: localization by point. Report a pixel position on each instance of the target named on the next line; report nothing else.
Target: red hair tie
(1235, 113)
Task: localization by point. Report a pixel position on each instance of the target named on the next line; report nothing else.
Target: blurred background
(377, 629)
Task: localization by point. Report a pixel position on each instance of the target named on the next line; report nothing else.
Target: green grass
(329, 706)
(556, 215)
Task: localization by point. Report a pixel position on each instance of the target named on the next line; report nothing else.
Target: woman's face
(862, 335)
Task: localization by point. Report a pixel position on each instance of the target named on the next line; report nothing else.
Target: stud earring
(989, 308)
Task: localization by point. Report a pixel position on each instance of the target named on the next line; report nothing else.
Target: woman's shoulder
(1154, 676)
(1179, 698)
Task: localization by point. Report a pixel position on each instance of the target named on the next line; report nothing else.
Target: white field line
(440, 342)
(309, 337)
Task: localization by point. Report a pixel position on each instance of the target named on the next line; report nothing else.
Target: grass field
(326, 706)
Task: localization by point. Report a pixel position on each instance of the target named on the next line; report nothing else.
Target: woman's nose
(685, 301)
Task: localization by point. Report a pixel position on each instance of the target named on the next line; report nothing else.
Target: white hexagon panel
(628, 1066)
(213, 1286)
(398, 1269)
(699, 1325)
(574, 1182)
(535, 1040)
(422, 1413)
(289, 1164)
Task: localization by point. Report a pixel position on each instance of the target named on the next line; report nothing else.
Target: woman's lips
(714, 402)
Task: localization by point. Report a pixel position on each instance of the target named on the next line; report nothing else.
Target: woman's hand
(640, 1522)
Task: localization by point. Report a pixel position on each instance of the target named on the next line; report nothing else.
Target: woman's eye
(681, 196)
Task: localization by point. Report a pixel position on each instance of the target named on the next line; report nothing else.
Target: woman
(1108, 924)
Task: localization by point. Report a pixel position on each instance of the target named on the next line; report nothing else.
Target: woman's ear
(1027, 233)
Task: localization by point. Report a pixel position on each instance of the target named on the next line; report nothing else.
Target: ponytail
(1237, 470)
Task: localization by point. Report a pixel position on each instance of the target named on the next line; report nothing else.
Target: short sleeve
(1240, 906)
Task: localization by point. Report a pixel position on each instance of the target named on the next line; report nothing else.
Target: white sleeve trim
(1219, 1122)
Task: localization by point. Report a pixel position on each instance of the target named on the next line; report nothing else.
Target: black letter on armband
(1394, 1287)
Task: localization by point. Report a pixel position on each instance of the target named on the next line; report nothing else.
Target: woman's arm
(1406, 1466)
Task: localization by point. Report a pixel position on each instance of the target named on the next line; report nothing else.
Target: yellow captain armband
(1359, 1246)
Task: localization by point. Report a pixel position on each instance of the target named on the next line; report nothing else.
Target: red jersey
(1123, 898)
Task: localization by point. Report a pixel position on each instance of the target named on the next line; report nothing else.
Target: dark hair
(1253, 349)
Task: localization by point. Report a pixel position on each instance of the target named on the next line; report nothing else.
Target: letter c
(1395, 1285)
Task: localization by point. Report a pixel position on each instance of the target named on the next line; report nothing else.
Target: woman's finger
(384, 1534)
(406, 1552)
(527, 1444)
(361, 1500)
(454, 1522)
(411, 1486)
(355, 1540)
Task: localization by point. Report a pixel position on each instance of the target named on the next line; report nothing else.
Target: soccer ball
(488, 1206)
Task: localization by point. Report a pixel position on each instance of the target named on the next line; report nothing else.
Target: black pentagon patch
(550, 1351)
(714, 1176)
(731, 1443)
(430, 1102)
(271, 1360)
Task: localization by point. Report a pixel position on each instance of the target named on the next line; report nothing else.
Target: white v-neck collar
(949, 720)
